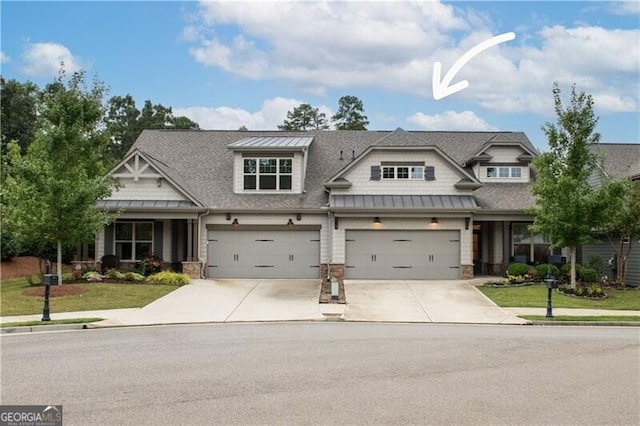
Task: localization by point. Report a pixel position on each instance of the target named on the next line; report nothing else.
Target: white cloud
(392, 46)
(273, 112)
(625, 7)
(4, 58)
(43, 59)
(450, 120)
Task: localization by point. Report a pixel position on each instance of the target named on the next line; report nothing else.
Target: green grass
(535, 296)
(52, 322)
(99, 296)
(604, 318)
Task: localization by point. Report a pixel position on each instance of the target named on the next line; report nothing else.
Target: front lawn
(15, 300)
(535, 296)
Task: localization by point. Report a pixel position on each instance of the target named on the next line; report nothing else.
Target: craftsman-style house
(326, 204)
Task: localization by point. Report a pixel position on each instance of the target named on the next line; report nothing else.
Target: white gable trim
(463, 173)
(145, 167)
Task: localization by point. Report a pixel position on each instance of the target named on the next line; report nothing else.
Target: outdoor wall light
(290, 223)
(434, 220)
(376, 220)
(228, 216)
(299, 216)
(336, 223)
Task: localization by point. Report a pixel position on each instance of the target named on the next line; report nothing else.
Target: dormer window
(504, 172)
(267, 174)
(402, 172)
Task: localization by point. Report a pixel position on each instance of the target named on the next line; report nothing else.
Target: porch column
(189, 239)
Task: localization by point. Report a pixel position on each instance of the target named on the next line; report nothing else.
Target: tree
(50, 192)
(567, 208)
(305, 117)
(350, 115)
(124, 122)
(622, 224)
(18, 112)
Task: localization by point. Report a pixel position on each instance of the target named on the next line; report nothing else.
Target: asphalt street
(329, 373)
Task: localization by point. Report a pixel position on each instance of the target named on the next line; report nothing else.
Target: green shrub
(168, 278)
(566, 269)
(594, 290)
(115, 274)
(516, 269)
(133, 276)
(545, 269)
(588, 275)
(92, 276)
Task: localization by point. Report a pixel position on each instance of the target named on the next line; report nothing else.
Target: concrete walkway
(297, 300)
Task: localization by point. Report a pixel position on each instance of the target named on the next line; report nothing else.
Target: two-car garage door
(402, 255)
(264, 253)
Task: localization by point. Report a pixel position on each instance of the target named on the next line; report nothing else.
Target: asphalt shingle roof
(618, 159)
(201, 162)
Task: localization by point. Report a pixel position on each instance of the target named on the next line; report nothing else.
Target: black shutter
(429, 173)
(157, 238)
(109, 232)
(375, 172)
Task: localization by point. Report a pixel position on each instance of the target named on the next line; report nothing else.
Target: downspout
(202, 262)
(330, 229)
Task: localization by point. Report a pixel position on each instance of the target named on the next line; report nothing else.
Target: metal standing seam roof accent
(402, 202)
(146, 204)
(272, 142)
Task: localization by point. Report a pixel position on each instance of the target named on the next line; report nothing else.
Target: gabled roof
(201, 163)
(503, 139)
(382, 146)
(161, 170)
(617, 160)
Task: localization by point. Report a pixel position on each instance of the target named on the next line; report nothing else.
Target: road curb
(590, 323)
(42, 328)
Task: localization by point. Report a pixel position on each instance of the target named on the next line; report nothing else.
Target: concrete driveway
(297, 300)
(229, 301)
(447, 301)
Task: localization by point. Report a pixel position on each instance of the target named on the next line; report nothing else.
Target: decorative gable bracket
(137, 168)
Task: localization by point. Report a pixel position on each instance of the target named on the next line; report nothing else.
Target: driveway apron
(447, 301)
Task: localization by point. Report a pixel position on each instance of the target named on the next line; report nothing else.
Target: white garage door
(264, 254)
(402, 255)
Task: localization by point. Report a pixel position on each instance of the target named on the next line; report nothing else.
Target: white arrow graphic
(441, 88)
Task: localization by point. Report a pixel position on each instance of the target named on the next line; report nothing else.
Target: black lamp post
(48, 280)
(550, 280)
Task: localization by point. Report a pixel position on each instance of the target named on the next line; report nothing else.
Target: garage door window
(134, 240)
(267, 174)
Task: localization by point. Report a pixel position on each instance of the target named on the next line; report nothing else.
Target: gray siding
(604, 250)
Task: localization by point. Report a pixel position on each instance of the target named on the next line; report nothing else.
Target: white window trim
(277, 174)
(509, 170)
(395, 172)
(133, 240)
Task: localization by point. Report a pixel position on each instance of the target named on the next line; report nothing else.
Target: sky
(227, 64)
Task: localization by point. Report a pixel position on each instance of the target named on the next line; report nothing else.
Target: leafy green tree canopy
(305, 117)
(567, 207)
(350, 115)
(124, 122)
(50, 192)
(18, 112)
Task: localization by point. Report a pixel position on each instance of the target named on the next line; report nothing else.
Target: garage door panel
(264, 254)
(402, 254)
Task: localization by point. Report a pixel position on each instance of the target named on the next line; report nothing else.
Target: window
(528, 245)
(504, 172)
(134, 240)
(401, 172)
(267, 173)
